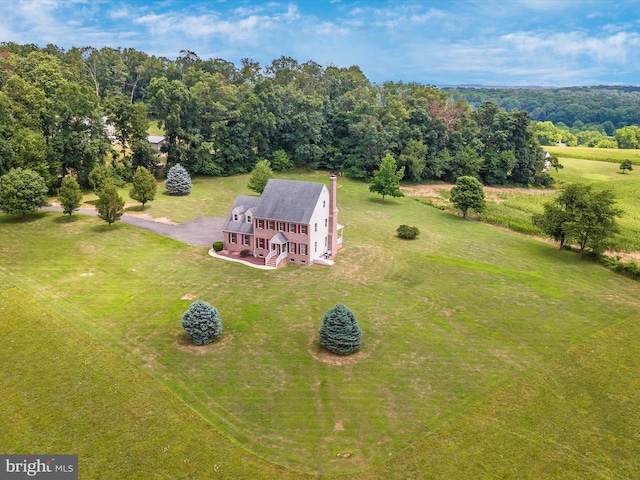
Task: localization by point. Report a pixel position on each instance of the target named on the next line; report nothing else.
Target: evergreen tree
(22, 191)
(144, 186)
(69, 195)
(468, 194)
(260, 176)
(340, 332)
(386, 181)
(202, 322)
(178, 181)
(110, 205)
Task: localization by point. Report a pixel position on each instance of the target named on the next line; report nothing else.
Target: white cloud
(612, 48)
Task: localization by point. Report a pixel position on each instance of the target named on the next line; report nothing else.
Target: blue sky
(486, 42)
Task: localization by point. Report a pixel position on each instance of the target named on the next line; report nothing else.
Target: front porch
(250, 261)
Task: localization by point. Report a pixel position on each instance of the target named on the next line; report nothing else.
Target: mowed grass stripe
(62, 392)
(447, 319)
(576, 418)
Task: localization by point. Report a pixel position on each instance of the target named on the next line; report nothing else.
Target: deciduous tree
(69, 195)
(468, 194)
(386, 180)
(22, 191)
(580, 215)
(626, 165)
(110, 205)
(144, 186)
(260, 176)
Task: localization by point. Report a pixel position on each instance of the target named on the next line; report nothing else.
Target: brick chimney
(333, 216)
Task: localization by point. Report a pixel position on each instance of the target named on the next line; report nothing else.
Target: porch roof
(279, 239)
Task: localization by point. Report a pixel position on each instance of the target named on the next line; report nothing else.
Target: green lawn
(462, 329)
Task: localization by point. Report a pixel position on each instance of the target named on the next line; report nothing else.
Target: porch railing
(266, 260)
(280, 258)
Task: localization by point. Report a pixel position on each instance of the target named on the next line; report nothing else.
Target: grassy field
(614, 155)
(466, 330)
(513, 207)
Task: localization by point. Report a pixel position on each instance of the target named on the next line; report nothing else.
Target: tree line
(221, 119)
(604, 108)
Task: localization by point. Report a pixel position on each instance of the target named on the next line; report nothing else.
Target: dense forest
(604, 108)
(220, 119)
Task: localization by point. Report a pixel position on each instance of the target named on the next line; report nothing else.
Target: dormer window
(249, 220)
(235, 217)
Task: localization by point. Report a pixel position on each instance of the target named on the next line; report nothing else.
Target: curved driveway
(201, 232)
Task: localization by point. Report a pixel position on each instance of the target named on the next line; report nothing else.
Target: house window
(316, 227)
(323, 204)
(326, 222)
(235, 217)
(292, 247)
(245, 240)
(303, 229)
(261, 244)
(326, 241)
(260, 223)
(271, 225)
(303, 249)
(281, 226)
(315, 247)
(292, 228)
(248, 218)
(232, 237)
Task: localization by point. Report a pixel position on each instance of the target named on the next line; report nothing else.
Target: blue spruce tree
(178, 181)
(340, 332)
(202, 322)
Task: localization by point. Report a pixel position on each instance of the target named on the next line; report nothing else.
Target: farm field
(513, 207)
(486, 353)
(615, 155)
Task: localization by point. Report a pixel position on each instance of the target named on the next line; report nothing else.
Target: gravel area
(201, 232)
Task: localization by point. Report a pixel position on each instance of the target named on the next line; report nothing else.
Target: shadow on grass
(62, 219)
(388, 201)
(106, 228)
(18, 219)
(136, 208)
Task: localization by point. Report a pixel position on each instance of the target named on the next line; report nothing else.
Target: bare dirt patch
(434, 190)
(188, 296)
(325, 356)
(146, 216)
(184, 343)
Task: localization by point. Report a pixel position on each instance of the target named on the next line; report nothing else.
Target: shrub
(218, 246)
(340, 332)
(245, 253)
(202, 322)
(178, 181)
(407, 232)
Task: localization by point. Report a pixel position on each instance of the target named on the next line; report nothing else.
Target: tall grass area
(513, 208)
(451, 321)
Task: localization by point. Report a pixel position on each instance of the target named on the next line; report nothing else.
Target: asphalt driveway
(201, 232)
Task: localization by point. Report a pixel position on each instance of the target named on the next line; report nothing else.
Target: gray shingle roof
(288, 200)
(241, 204)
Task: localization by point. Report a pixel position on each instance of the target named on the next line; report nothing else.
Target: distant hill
(610, 107)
